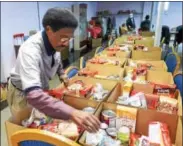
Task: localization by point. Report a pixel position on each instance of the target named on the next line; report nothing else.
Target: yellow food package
(127, 88)
(126, 116)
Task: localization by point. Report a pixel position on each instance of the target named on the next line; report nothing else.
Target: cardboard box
(156, 65)
(121, 60)
(142, 122)
(147, 90)
(147, 41)
(77, 103)
(160, 77)
(106, 70)
(155, 76)
(153, 53)
(119, 54)
(107, 85)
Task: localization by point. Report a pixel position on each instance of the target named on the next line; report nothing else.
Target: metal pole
(158, 24)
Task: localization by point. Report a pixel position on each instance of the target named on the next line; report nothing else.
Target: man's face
(131, 15)
(59, 39)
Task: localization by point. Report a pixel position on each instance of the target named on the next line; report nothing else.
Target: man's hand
(64, 79)
(88, 121)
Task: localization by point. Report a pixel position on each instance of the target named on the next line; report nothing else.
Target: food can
(107, 115)
(89, 110)
(123, 135)
(112, 132)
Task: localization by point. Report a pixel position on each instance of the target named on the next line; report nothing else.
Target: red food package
(57, 93)
(152, 101)
(164, 89)
(86, 90)
(110, 54)
(159, 134)
(134, 139)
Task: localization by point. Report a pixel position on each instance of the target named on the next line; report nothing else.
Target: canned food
(103, 126)
(124, 135)
(112, 132)
(107, 115)
(89, 110)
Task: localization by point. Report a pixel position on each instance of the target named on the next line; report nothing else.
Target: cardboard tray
(147, 89)
(157, 65)
(77, 103)
(119, 54)
(155, 76)
(106, 70)
(107, 84)
(153, 53)
(142, 121)
(122, 61)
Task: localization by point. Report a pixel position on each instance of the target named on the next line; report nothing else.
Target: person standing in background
(130, 22)
(123, 29)
(145, 25)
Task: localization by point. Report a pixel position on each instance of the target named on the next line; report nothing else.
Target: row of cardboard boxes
(107, 85)
(88, 97)
(135, 47)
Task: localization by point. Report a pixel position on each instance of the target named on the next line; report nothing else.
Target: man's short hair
(58, 18)
(147, 17)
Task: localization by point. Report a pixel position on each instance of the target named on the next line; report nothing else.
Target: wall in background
(21, 17)
(171, 18)
(16, 17)
(114, 7)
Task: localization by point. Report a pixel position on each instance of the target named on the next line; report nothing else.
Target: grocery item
(159, 134)
(151, 99)
(140, 47)
(100, 139)
(124, 135)
(112, 132)
(134, 139)
(98, 93)
(164, 89)
(126, 116)
(167, 105)
(144, 141)
(36, 119)
(87, 72)
(127, 88)
(107, 115)
(138, 100)
(136, 75)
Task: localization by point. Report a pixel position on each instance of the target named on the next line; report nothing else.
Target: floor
(5, 113)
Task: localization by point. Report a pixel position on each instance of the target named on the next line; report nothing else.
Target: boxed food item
(114, 61)
(141, 96)
(90, 88)
(106, 72)
(78, 103)
(141, 134)
(135, 75)
(116, 53)
(159, 134)
(150, 65)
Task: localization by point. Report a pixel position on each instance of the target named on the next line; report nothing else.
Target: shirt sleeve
(48, 105)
